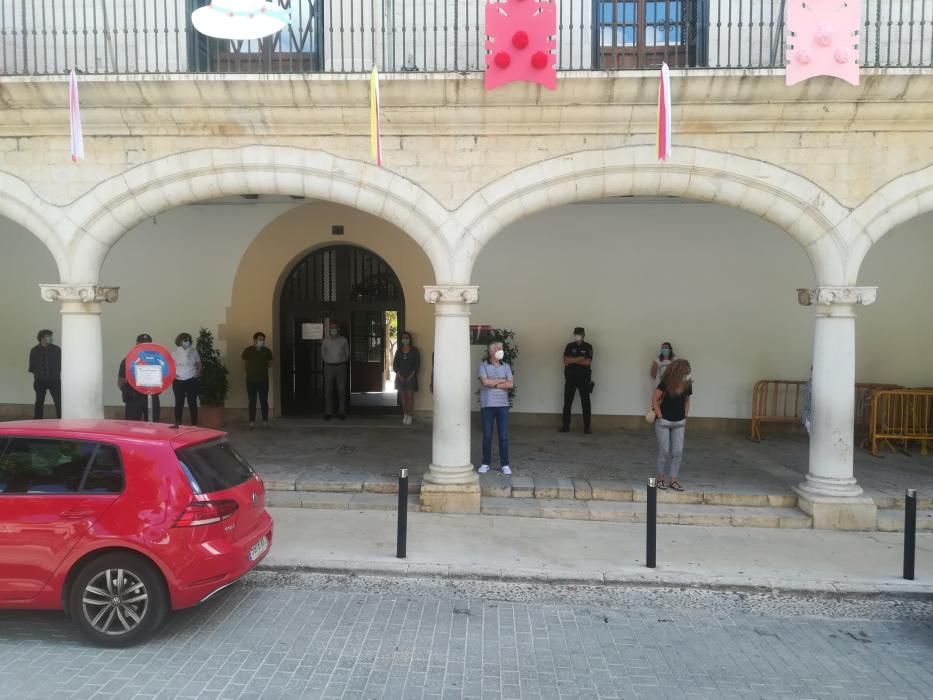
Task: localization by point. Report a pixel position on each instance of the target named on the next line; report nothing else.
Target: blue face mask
(665, 352)
(186, 344)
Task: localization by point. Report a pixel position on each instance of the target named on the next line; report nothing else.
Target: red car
(118, 522)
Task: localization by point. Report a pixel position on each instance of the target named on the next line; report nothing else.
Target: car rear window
(214, 466)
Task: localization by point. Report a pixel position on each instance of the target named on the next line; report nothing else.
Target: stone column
(82, 346)
(451, 485)
(830, 493)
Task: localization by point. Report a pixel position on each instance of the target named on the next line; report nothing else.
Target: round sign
(150, 368)
(240, 20)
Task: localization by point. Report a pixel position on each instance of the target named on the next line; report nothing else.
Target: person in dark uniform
(45, 365)
(578, 358)
(137, 404)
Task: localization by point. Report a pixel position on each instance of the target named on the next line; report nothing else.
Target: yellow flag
(375, 137)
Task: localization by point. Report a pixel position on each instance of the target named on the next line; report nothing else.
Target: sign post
(150, 370)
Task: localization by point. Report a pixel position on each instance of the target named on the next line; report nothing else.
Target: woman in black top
(671, 402)
(406, 364)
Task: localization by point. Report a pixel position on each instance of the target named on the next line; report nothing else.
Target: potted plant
(213, 384)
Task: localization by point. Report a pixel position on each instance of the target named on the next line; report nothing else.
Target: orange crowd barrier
(864, 393)
(776, 401)
(899, 416)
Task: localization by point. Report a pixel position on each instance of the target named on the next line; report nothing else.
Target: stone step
(895, 503)
(495, 485)
(634, 512)
(338, 501)
(892, 520)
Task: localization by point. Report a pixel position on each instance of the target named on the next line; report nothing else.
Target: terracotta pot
(211, 417)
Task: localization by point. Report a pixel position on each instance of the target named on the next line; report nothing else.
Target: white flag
(74, 115)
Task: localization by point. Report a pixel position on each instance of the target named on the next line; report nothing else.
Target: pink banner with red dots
(521, 42)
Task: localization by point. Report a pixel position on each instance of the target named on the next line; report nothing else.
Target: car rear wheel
(118, 599)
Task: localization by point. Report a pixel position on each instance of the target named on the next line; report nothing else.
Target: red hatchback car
(118, 522)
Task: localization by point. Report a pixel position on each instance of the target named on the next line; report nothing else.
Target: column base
(450, 498)
(834, 513)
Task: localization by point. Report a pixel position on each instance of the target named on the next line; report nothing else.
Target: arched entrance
(358, 290)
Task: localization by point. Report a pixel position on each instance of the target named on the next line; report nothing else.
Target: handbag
(650, 416)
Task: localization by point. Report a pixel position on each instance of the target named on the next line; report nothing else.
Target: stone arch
(897, 202)
(20, 204)
(114, 206)
(798, 206)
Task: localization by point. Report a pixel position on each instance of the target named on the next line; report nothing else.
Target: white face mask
(260, 343)
(186, 344)
(500, 354)
(334, 332)
(578, 338)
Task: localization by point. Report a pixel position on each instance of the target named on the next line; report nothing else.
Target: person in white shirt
(335, 354)
(660, 365)
(187, 370)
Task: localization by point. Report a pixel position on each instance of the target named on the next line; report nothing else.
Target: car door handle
(76, 514)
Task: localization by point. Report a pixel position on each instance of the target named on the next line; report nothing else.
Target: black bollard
(910, 533)
(402, 536)
(652, 520)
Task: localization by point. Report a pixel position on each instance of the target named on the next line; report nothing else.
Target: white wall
(718, 283)
(894, 336)
(24, 263)
(177, 275)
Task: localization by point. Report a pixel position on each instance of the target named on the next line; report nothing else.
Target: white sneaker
(483, 468)
(404, 420)
(506, 470)
(407, 420)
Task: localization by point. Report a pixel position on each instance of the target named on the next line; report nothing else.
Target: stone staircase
(573, 499)
(891, 514)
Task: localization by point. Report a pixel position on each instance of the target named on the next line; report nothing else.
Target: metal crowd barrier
(776, 401)
(899, 416)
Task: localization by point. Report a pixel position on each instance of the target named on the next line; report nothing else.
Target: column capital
(82, 293)
(837, 296)
(456, 294)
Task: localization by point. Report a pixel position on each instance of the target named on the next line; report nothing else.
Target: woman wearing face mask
(406, 364)
(671, 403)
(658, 367)
(496, 379)
(187, 370)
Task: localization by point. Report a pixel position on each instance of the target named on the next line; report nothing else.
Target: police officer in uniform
(578, 357)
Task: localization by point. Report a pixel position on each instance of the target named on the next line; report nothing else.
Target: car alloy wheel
(115, 602)
(118, 599)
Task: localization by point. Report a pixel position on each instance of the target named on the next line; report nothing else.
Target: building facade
(238, 194)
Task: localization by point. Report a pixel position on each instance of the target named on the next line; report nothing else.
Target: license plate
(257, 549)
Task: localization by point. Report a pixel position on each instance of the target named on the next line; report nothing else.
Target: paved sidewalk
(526, 549)
(311, 455)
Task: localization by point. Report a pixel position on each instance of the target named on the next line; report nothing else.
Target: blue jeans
(499, 415)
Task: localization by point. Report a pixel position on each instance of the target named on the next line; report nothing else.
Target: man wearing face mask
(257, 359)
(578, 358)
(335, 353)
(45, 365)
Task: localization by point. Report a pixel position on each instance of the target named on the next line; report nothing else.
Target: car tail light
(206, 513)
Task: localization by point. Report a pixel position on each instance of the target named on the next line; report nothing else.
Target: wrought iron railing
(39, 37)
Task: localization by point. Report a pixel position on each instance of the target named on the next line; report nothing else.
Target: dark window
(214, 466)
(643, 33)
(106, 473)
(35, 465)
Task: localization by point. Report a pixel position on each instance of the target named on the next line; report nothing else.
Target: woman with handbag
(671, 404)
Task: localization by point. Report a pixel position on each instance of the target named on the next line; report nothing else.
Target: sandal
(676, 486)
(661, 484)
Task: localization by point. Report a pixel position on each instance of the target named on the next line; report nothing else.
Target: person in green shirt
(257, 359)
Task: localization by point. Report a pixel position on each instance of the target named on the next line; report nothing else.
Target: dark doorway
(359, 291)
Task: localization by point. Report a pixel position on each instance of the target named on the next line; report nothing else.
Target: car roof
(111, 429)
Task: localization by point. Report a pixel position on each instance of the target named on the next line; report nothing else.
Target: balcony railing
(47, 37)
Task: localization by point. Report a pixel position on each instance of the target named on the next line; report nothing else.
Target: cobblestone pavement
(281, 635)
